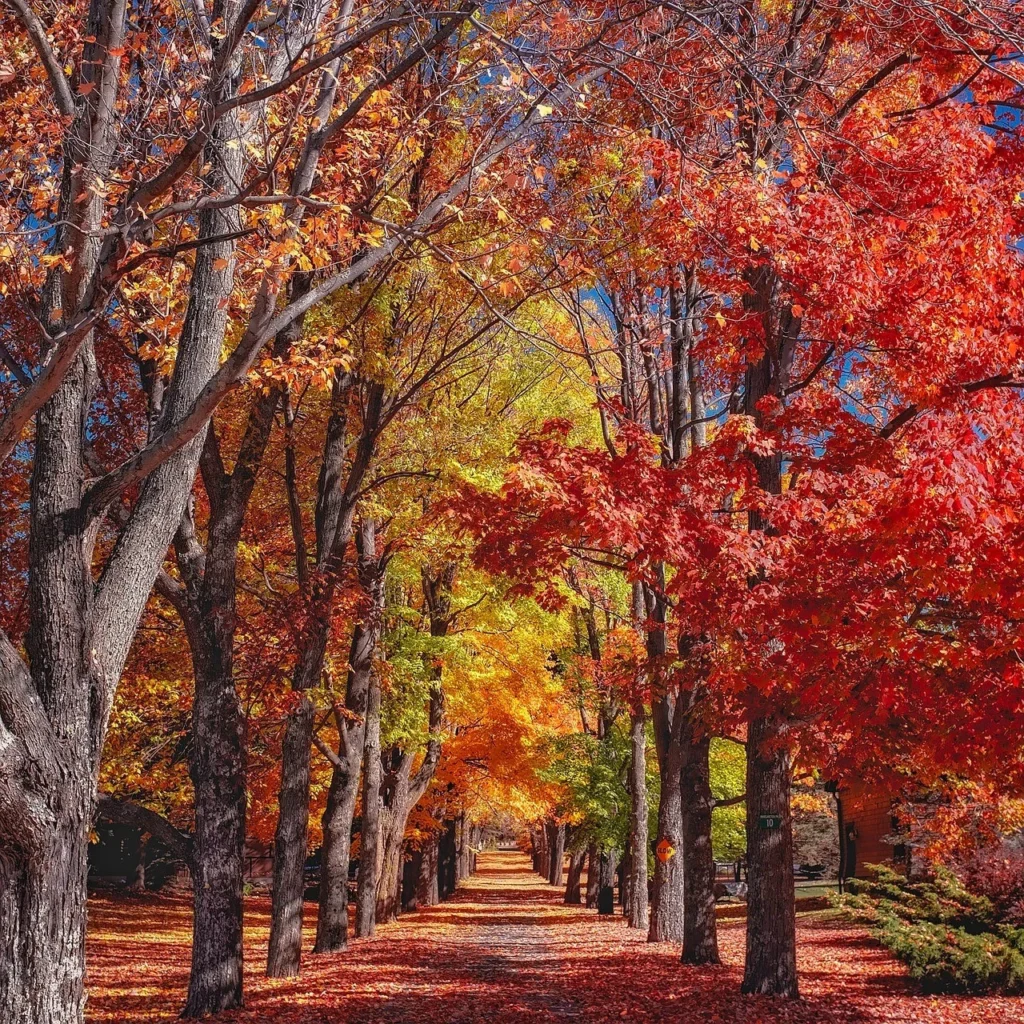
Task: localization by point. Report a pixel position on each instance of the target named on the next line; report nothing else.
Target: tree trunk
(771, 916)
(446, 861)
(335, 514)
(700, 934)
(556, 856)
(771, 912)
(138, 882)
(401, 790)
(636, 896)
(572, 885)
(332, 916)
(284, 950)
(667, 903)
(412, 859)
(593, 876)
(287, 896)
(335, 858)
(606, 891)
(465, 848)
(42, 930)
(393, 818)
(427, 894)
(218, 777)
(366, 897)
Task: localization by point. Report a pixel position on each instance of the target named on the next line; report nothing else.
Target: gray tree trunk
(427, 889)
(337, 496)
(556, 853)
(636, 896)
(667, 903)
(606, 890)
(366, 897)
(572, 884)
(770, 967)
(332, 919)
(593, 875)
(700, 934)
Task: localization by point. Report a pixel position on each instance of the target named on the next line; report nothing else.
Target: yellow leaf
(543, 110)
(546, 223)
(719, 319)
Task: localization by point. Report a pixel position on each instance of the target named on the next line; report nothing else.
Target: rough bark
(217, 755)
(446, 860)
(217, 768)
(606, 889)
(622, 874)
(572, 883)
(207, 607)
(366, 896)
(700, 935)
(667, 902)
(49, 711)
(394, 813)
(636, 895)
(771, 912)
(332, 918)
(593, 875)
(334, 525)
(465, 848)
(771, 919)
(284, 948)
(556, 853)
(427, 889)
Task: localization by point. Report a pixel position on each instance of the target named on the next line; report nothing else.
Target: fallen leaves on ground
(506, 949)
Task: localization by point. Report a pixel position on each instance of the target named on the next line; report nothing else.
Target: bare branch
(329, 754)
(54, 72)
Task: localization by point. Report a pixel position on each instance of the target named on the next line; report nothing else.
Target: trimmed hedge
(950, 939)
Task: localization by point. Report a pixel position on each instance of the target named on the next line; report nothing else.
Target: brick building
(868, 829)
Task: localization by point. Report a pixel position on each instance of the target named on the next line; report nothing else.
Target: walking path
(505, 950)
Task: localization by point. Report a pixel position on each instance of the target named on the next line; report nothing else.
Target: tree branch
(730, 801)
(897, 62)
(54, 72)
(901, 419)
(329, 754)
(30, 761)
(134, 815)
(265, 323)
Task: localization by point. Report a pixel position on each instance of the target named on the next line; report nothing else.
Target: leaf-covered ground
(506, 949)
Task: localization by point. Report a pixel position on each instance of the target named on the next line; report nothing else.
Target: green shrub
(948, 938)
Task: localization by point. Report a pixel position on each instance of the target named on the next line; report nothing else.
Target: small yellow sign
(665, 851)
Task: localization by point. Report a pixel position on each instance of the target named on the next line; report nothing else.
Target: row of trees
(185, 181)
(283, 283)
(802, 336)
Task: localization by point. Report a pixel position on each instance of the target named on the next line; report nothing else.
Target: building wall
(868, 809)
